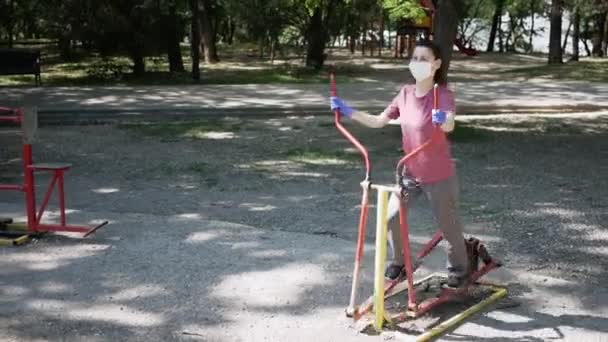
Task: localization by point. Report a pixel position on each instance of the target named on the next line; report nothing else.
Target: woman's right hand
(338, 103)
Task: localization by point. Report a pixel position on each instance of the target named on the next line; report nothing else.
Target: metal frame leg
(381, 231)
(350, 311)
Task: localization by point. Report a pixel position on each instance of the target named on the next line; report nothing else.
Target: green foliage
(403, 9)
(138, 28)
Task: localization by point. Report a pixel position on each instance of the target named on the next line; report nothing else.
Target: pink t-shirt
(434, 163)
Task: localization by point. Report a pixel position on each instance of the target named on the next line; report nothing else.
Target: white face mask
(420, 70)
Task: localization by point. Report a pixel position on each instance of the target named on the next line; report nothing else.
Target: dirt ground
(212, 223)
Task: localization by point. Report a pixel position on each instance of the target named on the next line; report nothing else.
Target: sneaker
(394, 271)
(455, 280)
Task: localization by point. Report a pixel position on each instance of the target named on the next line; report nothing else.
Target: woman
(433, 168)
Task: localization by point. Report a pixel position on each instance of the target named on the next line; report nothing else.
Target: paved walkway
(185, 278)
(471, 97)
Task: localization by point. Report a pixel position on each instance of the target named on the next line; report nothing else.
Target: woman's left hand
(439, 117)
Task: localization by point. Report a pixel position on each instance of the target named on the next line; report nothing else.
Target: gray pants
(443, 197)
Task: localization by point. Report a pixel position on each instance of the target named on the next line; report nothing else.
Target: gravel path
(532, 189)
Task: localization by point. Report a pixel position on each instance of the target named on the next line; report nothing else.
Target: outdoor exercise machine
(14, 233)
(383, 289)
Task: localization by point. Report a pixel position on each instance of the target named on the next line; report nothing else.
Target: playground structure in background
(409, 29)
(14, 233)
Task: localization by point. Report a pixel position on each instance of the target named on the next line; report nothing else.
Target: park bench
(20, 62)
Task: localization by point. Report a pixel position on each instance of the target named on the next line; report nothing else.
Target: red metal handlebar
(346, 133)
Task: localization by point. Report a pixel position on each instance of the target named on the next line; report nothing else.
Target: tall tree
(316, 37)
(10, 22)
(469, 25)
(604, 35)
(555, 36)
(576, 24)
(586, 35)
(532, 15)
(208, 32)
(320, 15)
(446, 24)
(195, 39)
(174, 28)
(496, 20)
(599, 16)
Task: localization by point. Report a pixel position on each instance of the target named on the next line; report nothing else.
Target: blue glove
(337, 103)
(439, 117)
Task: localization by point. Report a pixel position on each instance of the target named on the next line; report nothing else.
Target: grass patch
(200, 168)
(592, 70)
(78, 75)
(237, 66)
(320, 157)
(325, 124)
(188, 130)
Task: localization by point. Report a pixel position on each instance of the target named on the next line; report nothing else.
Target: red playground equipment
(27, 118)
(409, 29)
(469, 51)
(383, 291)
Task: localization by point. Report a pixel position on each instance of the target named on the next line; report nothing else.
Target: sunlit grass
(591, 70)
(188, 130)
(238, 65)
(319, 156)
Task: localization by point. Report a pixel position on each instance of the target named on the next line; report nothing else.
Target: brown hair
(440, 74)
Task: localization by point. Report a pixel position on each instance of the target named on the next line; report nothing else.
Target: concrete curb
(462, 108)
(75, 116)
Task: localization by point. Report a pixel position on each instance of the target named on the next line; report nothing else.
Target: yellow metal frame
(381, 231)
(20, 240)
(454, 321)
(380, 315)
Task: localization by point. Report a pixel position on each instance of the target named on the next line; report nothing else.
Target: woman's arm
(364, 118)
(372, 121)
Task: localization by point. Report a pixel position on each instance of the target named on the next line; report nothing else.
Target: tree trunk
(598, 39)
(586, 30)
(364, 39)
(207, 33)
(397, 38)
(10, 26)
(273, 49)
(605, 36)
(195, 40)
(174, 53)
(373, 40)
(566, 38)
(261, 47)
(316, 37)
(231, 29)
(576, 23)
(587, 49)
(353, 44)
(137, 56)
(510, 46)
(555, 36)
(65, 47)
(495, 24)
(381, 42)
(501, 46)
(531, 39)
(446, 25)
